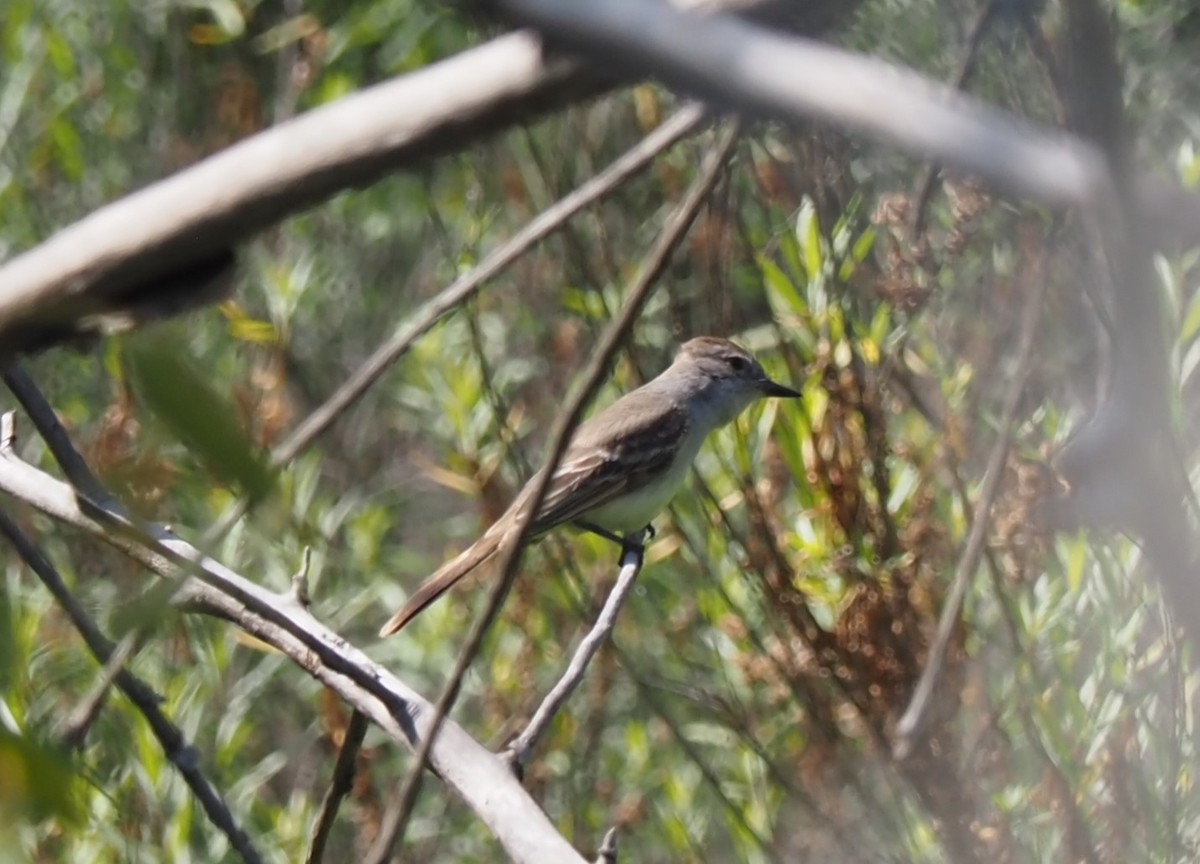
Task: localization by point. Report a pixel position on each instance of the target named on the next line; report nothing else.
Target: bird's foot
(635, 543)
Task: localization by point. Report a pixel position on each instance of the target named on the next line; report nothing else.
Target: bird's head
(731, 377)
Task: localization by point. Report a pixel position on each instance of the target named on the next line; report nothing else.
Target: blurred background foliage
(743, 710)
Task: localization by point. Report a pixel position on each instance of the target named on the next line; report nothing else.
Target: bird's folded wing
(595, 472)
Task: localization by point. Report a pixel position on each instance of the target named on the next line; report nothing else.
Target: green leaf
(204, 422)
(1076, 557)
(781, 292)
(863, 245)
(146, 610)
(1187, 164)
(68, 147)
(248, 329)
(1191, 320)
(36, 782)
(808, 232)
(58, 51)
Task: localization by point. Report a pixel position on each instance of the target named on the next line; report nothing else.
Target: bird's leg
(625, 541)
(602, 532)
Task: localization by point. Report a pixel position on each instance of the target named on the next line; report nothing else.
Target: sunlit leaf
(808, 232)
(783, 296)
(1076, 558)
(247, 329)
(36, 782)
(1191, 320)
(68, 147)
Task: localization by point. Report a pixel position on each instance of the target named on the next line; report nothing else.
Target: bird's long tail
(445, 578)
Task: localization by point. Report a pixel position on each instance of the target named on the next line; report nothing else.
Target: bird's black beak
(770, 388)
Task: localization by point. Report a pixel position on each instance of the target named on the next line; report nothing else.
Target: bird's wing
(594, 472)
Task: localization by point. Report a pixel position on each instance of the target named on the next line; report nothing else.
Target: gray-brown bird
(625, 464)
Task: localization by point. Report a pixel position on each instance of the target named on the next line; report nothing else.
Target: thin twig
(299, 589)
(175, 745)
(676, 227)
(481, 780)
(339, 785)
(45, 420)
(911, 723)
(75, 728)
(632, 162)
(932, 170)
(607, 853)
(760, 71)
(737, 812)
(631, 564)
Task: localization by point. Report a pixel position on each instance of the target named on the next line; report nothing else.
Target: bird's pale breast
(636, 509)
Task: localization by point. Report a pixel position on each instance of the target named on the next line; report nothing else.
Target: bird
(623, 465)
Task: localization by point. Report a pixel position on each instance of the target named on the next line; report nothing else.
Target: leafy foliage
(744, 708)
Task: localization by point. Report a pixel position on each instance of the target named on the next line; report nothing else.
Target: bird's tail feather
(443, 580)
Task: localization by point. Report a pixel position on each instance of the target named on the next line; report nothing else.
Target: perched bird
(624, 465)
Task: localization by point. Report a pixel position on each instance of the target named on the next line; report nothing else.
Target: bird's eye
(738, 363)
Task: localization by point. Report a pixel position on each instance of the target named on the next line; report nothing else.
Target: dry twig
(473, 772)
(670, 237)
(911, 723)
(638, 157)
(631, 564)
(339, 786)
(175, 745)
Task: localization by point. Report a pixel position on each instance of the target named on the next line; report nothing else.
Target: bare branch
(481, 779)
(170, 244)
(75, 728)
(631, 163)
(911, 723)
(339, 786)
(668, 240)
(731, 62)
(175, 745)
(223, 200)
(631, 564)
(751, 68)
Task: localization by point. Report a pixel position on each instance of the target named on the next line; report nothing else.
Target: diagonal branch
(75, 728)
(473, 772)
(909, 727)
(750, 68)
(203, 211)
(339, 786)
(656, 261)
(176, 237)
(631, 564)
(174, 744)
(631, 163)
